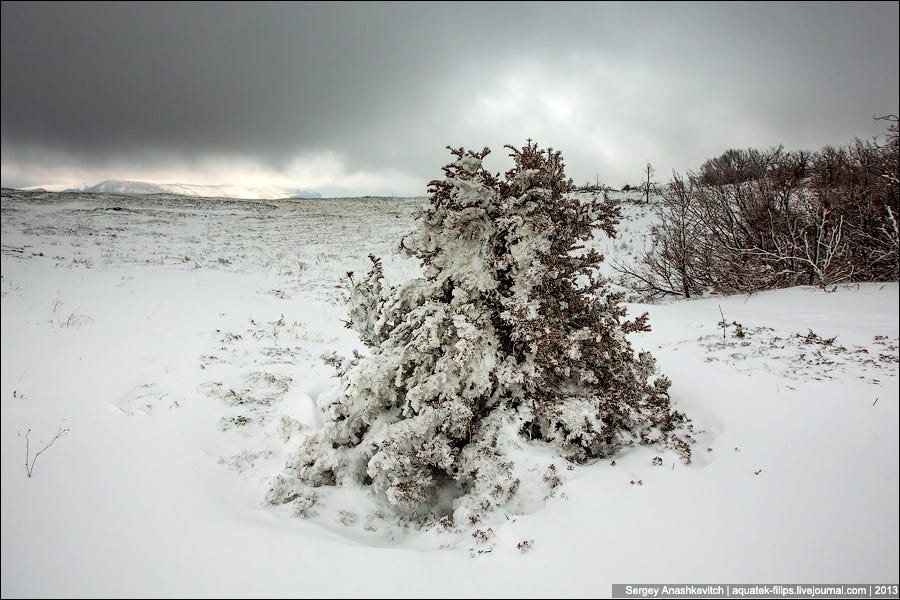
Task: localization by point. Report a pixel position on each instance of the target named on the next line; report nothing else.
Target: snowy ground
(176, 341)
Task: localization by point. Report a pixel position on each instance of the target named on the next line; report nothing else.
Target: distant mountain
(111, 186)
(123, 187)
(304, 194)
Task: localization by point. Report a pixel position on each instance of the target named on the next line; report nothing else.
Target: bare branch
(29, 468)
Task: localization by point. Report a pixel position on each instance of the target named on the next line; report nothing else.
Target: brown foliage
(752, 220)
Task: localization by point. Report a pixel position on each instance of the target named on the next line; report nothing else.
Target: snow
(179, 341)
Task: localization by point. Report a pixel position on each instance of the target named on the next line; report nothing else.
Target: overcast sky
(363, 98)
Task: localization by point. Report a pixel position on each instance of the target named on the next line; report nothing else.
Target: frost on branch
(509, 341)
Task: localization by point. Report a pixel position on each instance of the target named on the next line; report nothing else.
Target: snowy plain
(177, 341)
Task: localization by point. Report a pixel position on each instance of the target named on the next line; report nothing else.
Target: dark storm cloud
(388, 85)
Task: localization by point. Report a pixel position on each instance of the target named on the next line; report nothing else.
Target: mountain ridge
(119, 186)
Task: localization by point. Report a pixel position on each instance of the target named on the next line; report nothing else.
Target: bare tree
(674, 264)
(649, 170)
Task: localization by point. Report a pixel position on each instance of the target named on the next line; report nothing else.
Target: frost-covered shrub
(509, 341)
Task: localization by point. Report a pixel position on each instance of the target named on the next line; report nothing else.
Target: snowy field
(176, 342)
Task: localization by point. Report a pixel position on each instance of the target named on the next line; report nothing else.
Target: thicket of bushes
(752, 220)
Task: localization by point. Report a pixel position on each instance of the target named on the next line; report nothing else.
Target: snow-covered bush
(508, 342)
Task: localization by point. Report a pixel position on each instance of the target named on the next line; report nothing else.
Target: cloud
(371, 93)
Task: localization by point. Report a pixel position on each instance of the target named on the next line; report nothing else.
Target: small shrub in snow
(525, 546)
(509, 340)
(551, 478)
(483, 536)
(31, 460)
